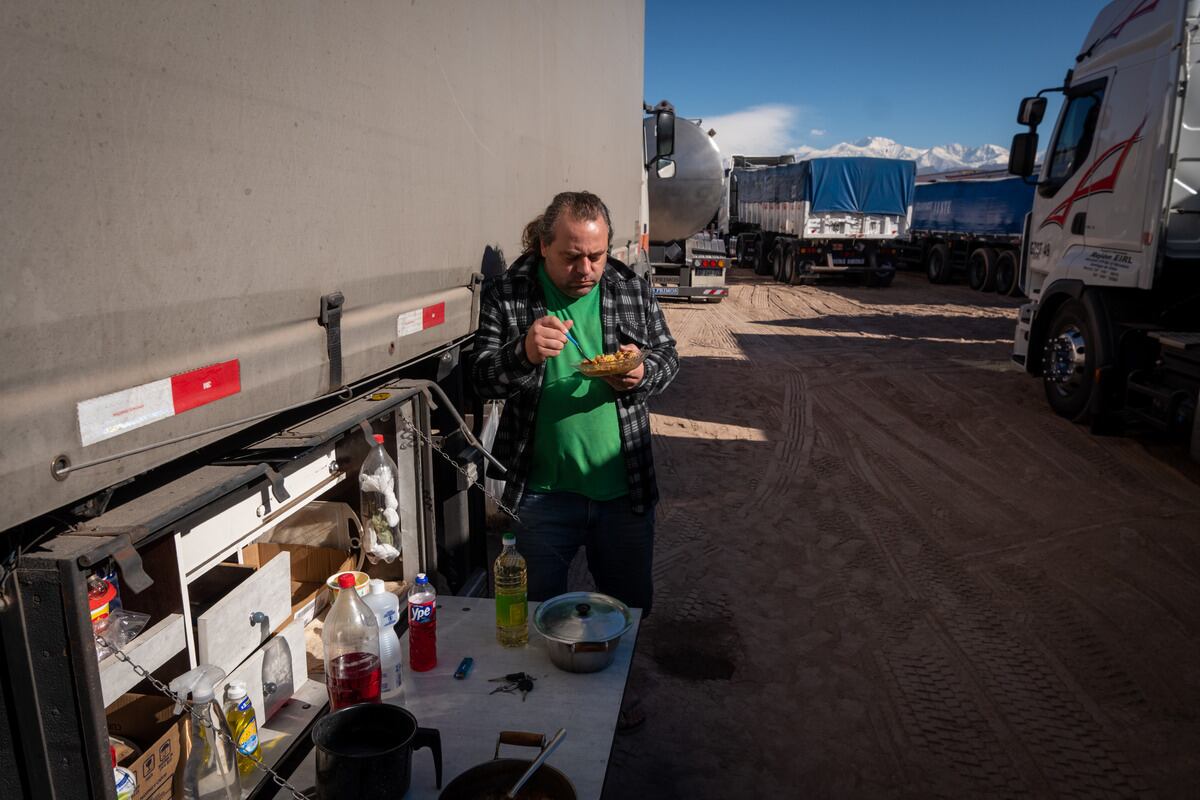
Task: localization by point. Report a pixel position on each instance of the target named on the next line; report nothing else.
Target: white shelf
(150, 650)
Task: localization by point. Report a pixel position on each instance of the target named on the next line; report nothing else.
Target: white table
(470, 719)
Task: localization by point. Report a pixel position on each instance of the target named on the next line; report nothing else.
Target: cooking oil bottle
(512, 605)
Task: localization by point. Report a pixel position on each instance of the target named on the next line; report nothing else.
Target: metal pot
(582, 629)
(494, 778)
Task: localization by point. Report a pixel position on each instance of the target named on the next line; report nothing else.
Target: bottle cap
(421, 578)
(236, 690)
(508, 538)
(377, 586)
(346, 580)
(379, 438)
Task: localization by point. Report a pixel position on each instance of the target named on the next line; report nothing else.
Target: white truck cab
(1111, 256)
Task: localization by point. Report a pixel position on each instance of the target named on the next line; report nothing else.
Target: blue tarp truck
(823, 216)
(971, 224)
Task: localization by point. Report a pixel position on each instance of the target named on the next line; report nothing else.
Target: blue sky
(923, 73)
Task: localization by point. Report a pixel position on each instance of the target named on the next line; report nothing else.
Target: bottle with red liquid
(422, 625)
(353, 671)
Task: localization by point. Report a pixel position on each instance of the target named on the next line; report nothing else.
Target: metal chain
(472, 481)
(141, 672)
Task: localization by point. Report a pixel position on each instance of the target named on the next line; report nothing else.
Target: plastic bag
(119, 628)
(487, 437)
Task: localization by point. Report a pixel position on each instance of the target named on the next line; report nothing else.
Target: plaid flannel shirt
(501, 370)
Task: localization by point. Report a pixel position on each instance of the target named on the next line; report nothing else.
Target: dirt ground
(885, 569)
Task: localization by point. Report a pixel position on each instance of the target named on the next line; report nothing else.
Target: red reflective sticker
(201, 386)
(433, 315)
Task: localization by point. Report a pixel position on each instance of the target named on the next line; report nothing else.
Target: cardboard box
(148, 721)
(311, 566)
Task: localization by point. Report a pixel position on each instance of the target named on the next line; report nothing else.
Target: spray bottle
(210, 771)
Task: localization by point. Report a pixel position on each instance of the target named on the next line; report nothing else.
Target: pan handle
(520, 739)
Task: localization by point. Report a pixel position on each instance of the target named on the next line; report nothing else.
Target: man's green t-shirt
(577, 436)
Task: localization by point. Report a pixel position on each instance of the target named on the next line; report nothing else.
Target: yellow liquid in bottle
(512, 605)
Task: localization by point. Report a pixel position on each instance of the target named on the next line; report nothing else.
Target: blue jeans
(618, 542)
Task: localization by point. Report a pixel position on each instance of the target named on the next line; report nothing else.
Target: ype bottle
(351, 639)
(422, 625)
(512, 596)
(386, 607)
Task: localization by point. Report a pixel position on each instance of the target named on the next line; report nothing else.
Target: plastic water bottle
(387, 613)
(210, 771)
(422, 625)
(512, 595)
(351, 639)
(379, 504)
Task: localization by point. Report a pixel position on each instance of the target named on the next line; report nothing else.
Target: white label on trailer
(409, 322)
(113, 414)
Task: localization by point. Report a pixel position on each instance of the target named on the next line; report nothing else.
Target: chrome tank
(685, 203)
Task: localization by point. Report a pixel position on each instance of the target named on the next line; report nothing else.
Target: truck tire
(1069, 359)
(789, 264)
(981, 270)
(938, 264)
(1007, 274)
(777, 260)
(762, 264)
(740, 251)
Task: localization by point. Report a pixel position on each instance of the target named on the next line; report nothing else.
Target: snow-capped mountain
(940, 158)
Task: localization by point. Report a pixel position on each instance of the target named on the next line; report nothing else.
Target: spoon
(571, 339)
(537, 762)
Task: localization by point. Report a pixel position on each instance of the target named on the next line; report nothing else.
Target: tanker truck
(684, 193)
(1111, 250)
(242, 249)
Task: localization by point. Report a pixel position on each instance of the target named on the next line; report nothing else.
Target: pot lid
(582, 617)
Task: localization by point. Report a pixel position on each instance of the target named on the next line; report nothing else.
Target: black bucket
(365, 752)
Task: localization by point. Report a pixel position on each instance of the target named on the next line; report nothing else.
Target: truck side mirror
(1023, 154)
(664, 168)
(1032, 111)
(664, 133)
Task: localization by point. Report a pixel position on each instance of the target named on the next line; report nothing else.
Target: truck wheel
(762, 264)
(1069, 360)
(981, 270)
(938, 265)
(789, 265)
(1007, 274)
(777, 260)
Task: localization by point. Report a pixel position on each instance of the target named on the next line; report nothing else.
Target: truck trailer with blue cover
(971, 224)
(822, 216)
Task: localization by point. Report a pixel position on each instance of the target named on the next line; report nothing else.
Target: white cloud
(758, 130)
(817, 132)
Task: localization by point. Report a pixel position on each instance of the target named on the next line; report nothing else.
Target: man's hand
(630, 380)
(546, 338)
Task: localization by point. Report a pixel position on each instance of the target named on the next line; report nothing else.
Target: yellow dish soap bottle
(239, 713)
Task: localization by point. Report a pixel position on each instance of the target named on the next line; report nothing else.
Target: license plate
(848, 262)
(706, 271)
(666, 290)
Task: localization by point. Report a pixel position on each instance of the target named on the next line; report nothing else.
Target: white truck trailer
(824, 216)
(239, 241)
(1111, 260)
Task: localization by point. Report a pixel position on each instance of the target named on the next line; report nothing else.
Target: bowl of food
(608, 364)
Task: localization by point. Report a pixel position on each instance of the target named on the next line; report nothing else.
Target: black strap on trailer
(331, 320)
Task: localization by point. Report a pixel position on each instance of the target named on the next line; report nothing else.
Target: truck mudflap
(1020, 350)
